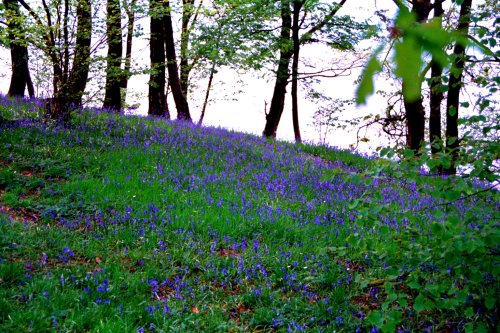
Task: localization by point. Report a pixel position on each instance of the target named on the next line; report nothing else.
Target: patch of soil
(20, 214)
(228, 253)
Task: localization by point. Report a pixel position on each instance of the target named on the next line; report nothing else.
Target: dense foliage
(116, 223)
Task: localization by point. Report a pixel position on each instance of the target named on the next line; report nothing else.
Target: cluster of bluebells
(66, 255)
(269, 187)
(97, 287)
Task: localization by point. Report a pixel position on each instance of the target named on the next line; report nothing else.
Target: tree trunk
(156, 96)
(207, 93)
(211, 76)
(18, 52)
(71, 92)
(297, 6)
(130, 10)
(184, 67)
(112, 97)
(415, 120)
(286, 52)
(414, 108)
(173, 71)
(455, 84)
(436, 95)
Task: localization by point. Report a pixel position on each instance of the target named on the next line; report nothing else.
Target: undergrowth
(125, 223)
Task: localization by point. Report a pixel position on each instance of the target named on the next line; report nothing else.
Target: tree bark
(415, 120)
(71, 92)
(68, 86)
(289, 46)
(156, 96)
(181, 103)
(184, 67)
(414, 108)
(455, 85)
(19, 53)
(436, 94)
(207, 93)
(297, 6)
(112, 96)
(130, 10)
(286, 52)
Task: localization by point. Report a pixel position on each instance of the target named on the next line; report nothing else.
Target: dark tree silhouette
(181, 103)
(455, 84)
(20, 78)
(156, 96)
(286, 52)
(68, 84)
(414, 107)
(112, 96)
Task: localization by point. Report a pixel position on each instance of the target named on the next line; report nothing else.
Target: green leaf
(408, 153)
(384, 232)
(414, 285)
(489, 302)
(353, 204)
(375, 318)
(452, 140)
(419, 304)
(437, 229)
(365, 87)
(408, 64)
(422, 303)
(452, 111)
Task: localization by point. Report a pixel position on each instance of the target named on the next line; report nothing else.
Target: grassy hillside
(125, 224)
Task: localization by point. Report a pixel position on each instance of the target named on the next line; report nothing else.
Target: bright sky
(240, 102)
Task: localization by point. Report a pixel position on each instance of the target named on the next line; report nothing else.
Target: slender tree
(297, 6)
(414, 107)
(81, 62)
(156, 96)
(180, 100)
(69, 77)
(211, 75)
(286, 52)
(189, 19)
(290, 48)
(112, 97)
(130, 11)
(436, 92)
(20, 78)
(454, 86)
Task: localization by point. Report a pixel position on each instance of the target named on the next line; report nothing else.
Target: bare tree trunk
(455, 84)
(68, 86)
(130, 10)
(184, 67)
(436, 95)
(156, 96)
(112, 97)
(414, 108)
(297, 6)
(18, 53)
(71, 93)
(207, 94)
(286, 52)
(173, 71)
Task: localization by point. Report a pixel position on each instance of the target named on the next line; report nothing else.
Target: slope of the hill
(123, 223)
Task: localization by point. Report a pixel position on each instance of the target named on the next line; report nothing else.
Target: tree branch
(321, 24)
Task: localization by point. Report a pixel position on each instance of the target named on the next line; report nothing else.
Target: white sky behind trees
(238, 99)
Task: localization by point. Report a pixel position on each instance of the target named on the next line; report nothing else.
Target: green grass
(122, 224)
